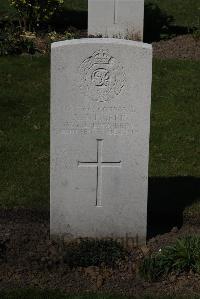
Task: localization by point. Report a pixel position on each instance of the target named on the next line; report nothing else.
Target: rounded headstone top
(90, 41)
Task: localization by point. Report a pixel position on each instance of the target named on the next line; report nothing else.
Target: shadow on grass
(158, 24)
(167, 200)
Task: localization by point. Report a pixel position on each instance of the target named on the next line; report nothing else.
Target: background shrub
(12, 42)
(34, 14)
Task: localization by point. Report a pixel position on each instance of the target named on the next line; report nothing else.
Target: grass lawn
(24, 126)
(24, 131)
(76, 4)
(34, 294)
(175, 121)
(185, 12)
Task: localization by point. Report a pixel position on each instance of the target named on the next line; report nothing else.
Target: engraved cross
(115, 12)
(99, 164)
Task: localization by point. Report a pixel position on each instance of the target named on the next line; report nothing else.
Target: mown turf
(76, 4)
(24, 126)
(24, 131)
(175, 121)
(36, 294)
(185, 12)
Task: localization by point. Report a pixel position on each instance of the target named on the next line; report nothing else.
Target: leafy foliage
(33, 14)
(71, 33)
(191, 213)
(94, 253)
(182, 256)
(196, 34)
(12, 42)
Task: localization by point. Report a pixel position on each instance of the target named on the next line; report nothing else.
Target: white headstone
(116, 18)
(100, 120)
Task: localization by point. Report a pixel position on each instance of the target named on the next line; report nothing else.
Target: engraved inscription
(112, 120)
(102, 76)
(99, 164)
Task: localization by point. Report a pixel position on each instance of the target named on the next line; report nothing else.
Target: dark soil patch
(29, 259)
(180, 47)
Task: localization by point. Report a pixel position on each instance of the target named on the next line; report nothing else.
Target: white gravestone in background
(100, 120)
(116, 18)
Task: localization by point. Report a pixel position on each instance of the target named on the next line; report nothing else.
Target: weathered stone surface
(100, 120)
(116, 18)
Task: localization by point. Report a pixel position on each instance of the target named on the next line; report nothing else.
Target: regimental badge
(102, 76)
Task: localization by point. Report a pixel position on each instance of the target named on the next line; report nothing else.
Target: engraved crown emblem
(101, 57)
(102, 76)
